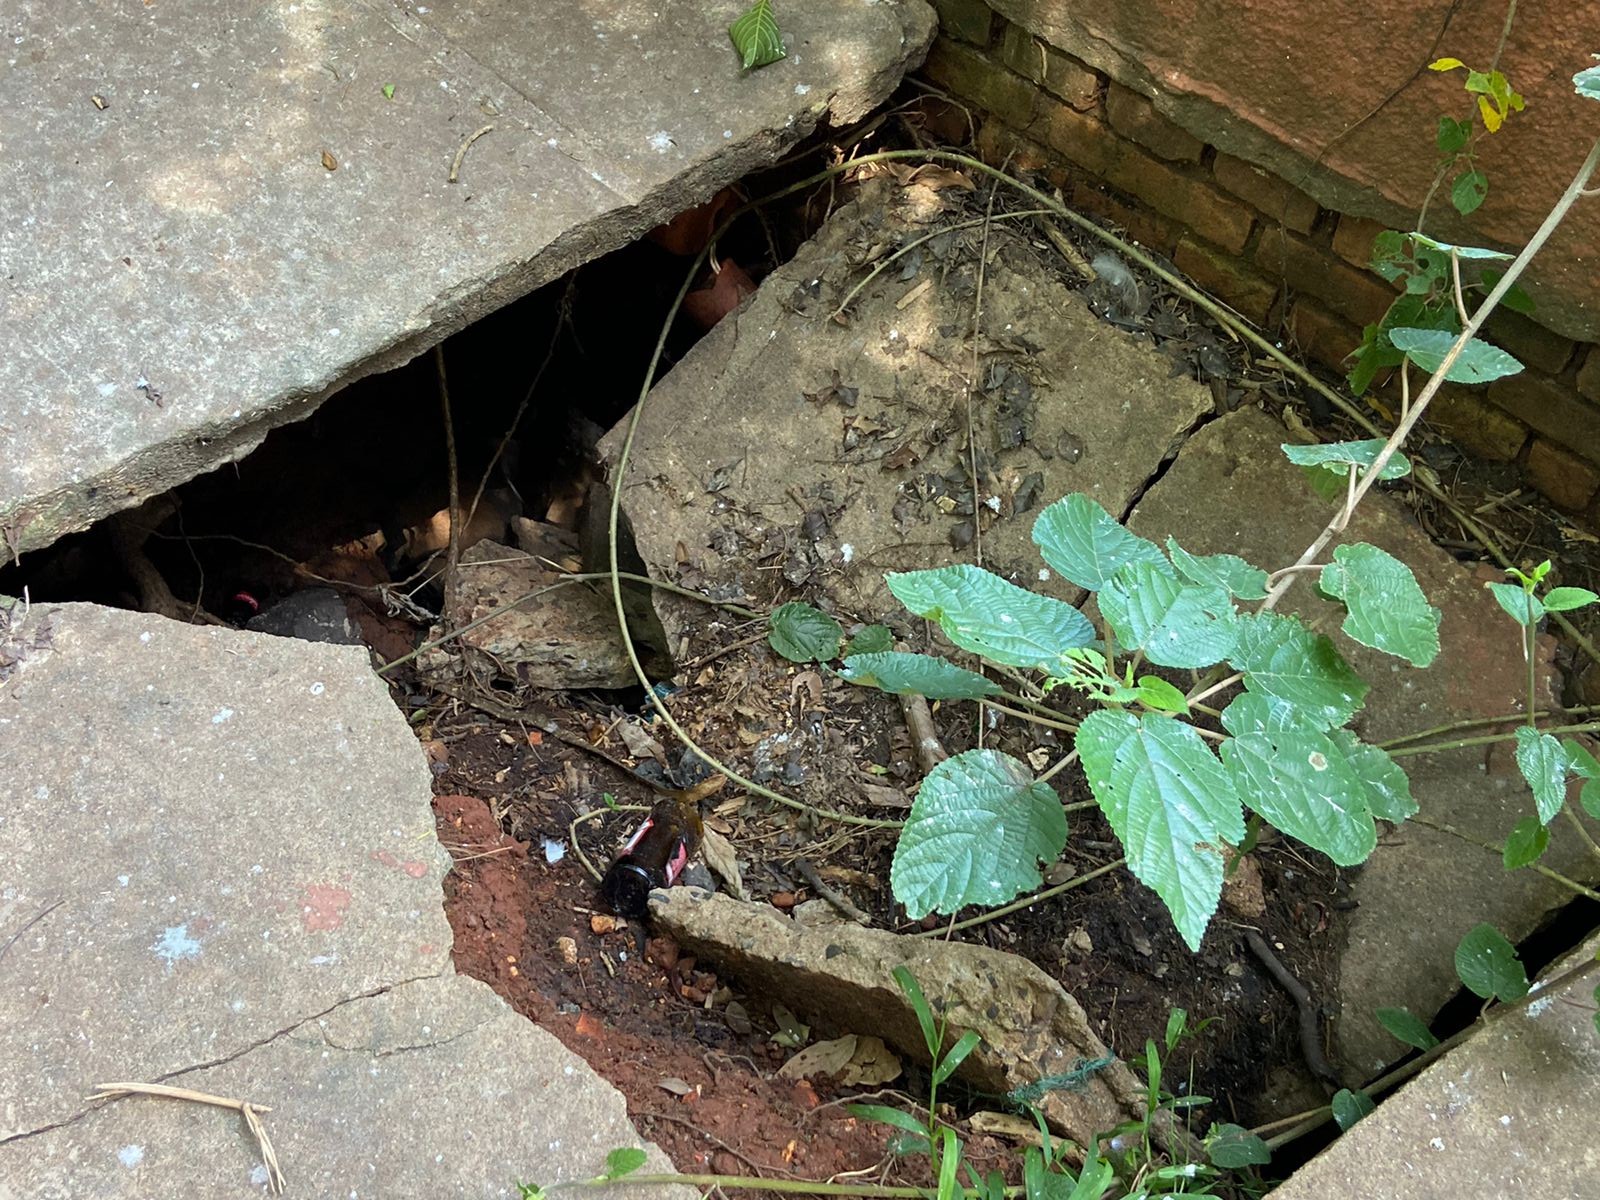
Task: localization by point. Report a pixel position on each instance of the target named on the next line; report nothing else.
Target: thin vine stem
(1487, 739)
(1481, 723)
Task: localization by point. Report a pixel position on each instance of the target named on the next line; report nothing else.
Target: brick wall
(1251, 239)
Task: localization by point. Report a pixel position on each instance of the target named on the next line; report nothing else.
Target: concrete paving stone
(217, 851)
(434, 1088)
(1232, 490)
(1509, 1113)
(216, 217)
(787, 441)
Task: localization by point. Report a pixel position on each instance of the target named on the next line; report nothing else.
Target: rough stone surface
(1555, 411)
(1589, 375)
(1251, 81)
(837, 452)
(1569, 481)
(565, 638)
(970, 20)
(1049, 68)
(224, 846)
(312, 614)
(1272, 196)
(1252, 295)
(1422, 889)
(1134, 117)
(1477, 426)
(248, 223)
(1503, 1114)
(841, 977)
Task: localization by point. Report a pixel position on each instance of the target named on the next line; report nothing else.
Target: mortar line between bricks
(226, 1058)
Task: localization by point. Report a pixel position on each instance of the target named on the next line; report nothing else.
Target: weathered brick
(1228, 278)
(1352, 240)
(1080, 137)
(1531, 343)
(1322, 336)
(1139, 223)
(1275, 197)
(1568, 480)
(998, 143)
(970, 20)
(964, 72)
(1557, 412)
(1589, 375)
(1357, 296)
(1478, 427)
(1135, 118)
(1183, 196)
(1058, 73)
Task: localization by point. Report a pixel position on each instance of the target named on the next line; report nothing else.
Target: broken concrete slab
(557, 637)
(1507, 1113)
(841, 977)
(433, 1088)
(219, 852)
(222, 215)
(1232, 490)
(787, 444)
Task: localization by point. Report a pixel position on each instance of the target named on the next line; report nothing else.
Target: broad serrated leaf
(983, 613)
(1084, 544)
(755, 36)
(624, 1160)
(1586, 766)
(1527, 840)
(1479, 362)
(1407, 1027)
(1384, 605)
(1175, 624)
(1349, 1107)
(1388, 788)
(1462, 252)
(1587, 82)
(1303, 785)
(1452, 135)
(874, 639)
(803, 634)
(1543, 763)
(1160, 695)
(1469, 191)
(1226, 571)
(1171, 802)
(1488, 965)
(1565, 599)
(916, 674)
(1339, 457)
(977, 832)
(1283, 659)
(1233, 1146)
(1521, 606)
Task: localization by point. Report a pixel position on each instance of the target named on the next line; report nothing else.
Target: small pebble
(602, 923)
(783, 900)
(568, 949)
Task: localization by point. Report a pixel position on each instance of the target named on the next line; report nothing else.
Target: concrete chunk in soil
(791, 450)
(220, 873)
(217, 214)
(1507, 1113)
(840, 977)
(1232, 490)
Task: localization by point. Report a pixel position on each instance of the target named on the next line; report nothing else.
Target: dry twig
(252, 1119)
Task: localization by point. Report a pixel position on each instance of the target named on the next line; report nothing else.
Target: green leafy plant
(755, 36)
(1170, 778)
(1430, 271)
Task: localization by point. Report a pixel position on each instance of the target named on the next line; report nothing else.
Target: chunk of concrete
(790, 443)
(221, 214)
(220, 873)
(1507, 1113)
(1232, 490)
(841, 977)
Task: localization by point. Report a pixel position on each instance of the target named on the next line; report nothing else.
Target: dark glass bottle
(654, 856)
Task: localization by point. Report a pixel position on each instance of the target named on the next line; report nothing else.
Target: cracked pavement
(221, 872)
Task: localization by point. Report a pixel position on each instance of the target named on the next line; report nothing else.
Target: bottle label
(638, 836)
(676, 863)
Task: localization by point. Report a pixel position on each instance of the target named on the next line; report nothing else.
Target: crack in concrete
(391, 1051)
(234, 1056)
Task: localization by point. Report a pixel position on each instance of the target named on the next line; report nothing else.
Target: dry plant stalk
(251, 1112)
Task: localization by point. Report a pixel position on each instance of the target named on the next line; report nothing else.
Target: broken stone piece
(840, 978)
